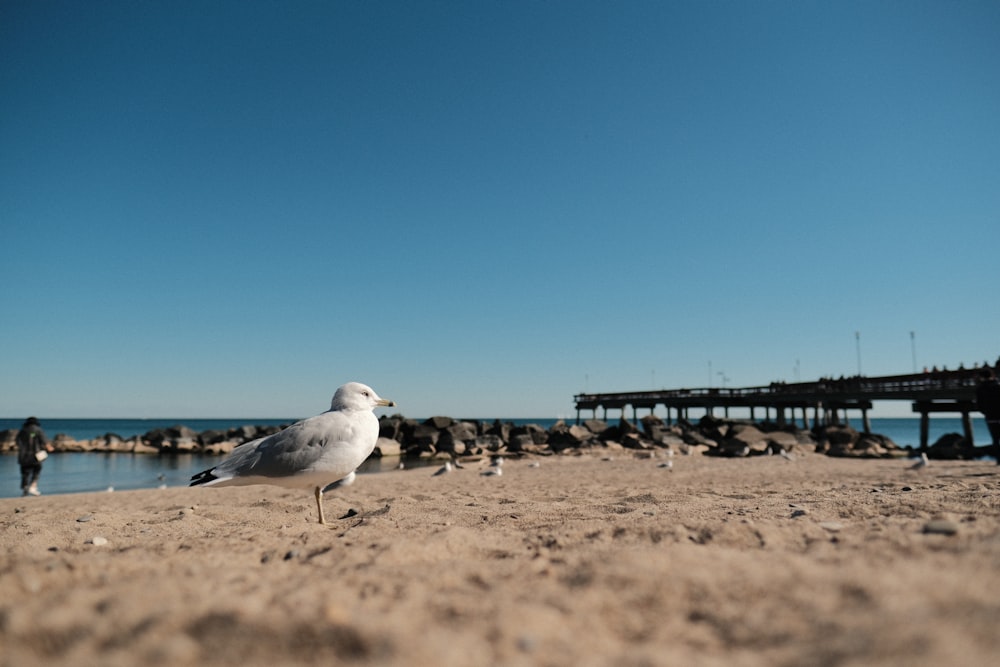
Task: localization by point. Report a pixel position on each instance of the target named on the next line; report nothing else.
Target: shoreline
(582, 560)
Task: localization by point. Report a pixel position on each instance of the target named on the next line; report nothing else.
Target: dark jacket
(30, 440)
(988, 399)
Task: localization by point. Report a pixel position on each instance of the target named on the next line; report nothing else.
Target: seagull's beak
(385, 403)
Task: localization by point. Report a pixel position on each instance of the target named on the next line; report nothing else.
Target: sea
(84, 472)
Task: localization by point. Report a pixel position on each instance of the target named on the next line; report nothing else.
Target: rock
(221, 448)
(940, 527)
(446, 443)
(390, 427)
(242, 434)
(670, 440)
(387, 447)
(571, 438)
(746, 433)
(8, 440)
(500, 429)
(439, 423)
(113, 442)
(634, 441)
(211, 437)
(489, 442)
(183, 445)
(423, 437)
(464, 431)
(520, 442)
(868, 446)
(745, 438)
(952, 446)
(181, 432)
(64, 443)
(782, 439)
(840, 435)
(140, 447)
(98, 541)
(695, 438)
(537, 434)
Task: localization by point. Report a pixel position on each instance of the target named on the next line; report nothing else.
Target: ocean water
(78, 472)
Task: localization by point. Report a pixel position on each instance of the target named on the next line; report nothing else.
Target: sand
(579, 561)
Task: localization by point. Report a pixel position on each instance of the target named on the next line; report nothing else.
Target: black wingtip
(204, 477)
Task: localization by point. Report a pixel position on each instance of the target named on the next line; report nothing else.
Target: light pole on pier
(913, 349)
(857, 343)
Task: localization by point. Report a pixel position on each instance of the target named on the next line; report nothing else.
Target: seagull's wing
(287, 452)
(294, 450)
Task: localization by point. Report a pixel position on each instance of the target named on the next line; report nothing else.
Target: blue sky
(228, 209)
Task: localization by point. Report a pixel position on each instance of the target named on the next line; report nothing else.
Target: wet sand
(579, 561)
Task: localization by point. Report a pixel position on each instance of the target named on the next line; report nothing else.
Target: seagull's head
(357, 396)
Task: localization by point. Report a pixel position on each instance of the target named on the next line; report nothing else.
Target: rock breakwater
(447, 438)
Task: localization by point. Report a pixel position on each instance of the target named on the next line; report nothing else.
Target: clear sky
(228, 209)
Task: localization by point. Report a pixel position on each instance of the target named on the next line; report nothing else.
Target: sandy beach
(578, 561)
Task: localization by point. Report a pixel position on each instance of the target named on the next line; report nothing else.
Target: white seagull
(922, 463)
(314, 453)
(495, 468)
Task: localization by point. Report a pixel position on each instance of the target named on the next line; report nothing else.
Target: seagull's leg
(319, 504)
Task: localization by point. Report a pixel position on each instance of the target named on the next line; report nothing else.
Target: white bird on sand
(665, 464)
(495, 468)
(443, 470)
(922, 463)
(317, 453)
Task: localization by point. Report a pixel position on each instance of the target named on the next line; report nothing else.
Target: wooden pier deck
(931, 392)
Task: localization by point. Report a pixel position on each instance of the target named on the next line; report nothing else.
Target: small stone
(940, 527)
(292, 554)
(98, 541)
(799, 512)
(831, 526)
(85, 518)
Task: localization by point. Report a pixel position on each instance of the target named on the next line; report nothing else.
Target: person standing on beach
(32, 448)
(988, 402)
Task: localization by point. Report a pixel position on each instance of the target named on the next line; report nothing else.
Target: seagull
(495, 468)
(665, 464)
(443, 470)
(317, 453)
(922, 463)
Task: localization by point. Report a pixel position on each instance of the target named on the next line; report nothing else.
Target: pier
(830, 400)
